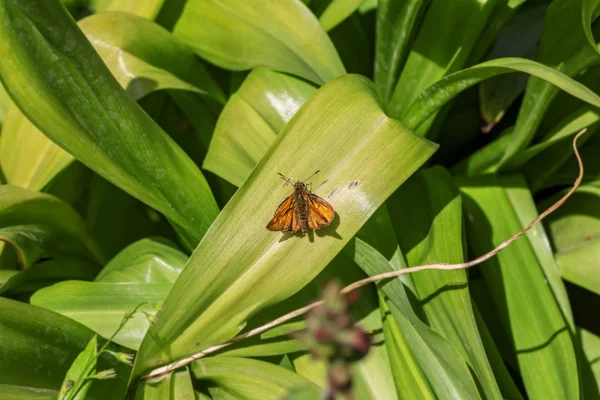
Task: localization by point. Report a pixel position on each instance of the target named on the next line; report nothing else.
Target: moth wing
(320, 212)
(285, 218)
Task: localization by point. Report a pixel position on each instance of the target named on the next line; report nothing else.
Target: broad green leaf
(522, 282)
(251, 120)
(152, 260)
(101, 306)
(430, 204)
(575, 229)
(147, 8)
(567, 45)
(47, 273)
(337, 11)
(444, 371)
(250, 379)
(40, 226)
(396, 24)
(144, 57)
(175, 386)
(65, 89)
(518, 38)
(38, 347)
(446, 37)
(13, 392)
(75, 386)
(355, 146)
(239, 35)
(437, 95)
(368, 5)
(29, 159)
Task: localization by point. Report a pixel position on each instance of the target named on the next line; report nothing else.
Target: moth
(301, 211)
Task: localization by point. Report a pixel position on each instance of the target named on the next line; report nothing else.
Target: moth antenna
(312, 175)
(286, 178)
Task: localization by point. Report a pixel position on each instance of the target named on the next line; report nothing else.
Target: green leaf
(13, 392)
(75, 386)
(444, 371)
(175, 386)
(101, 306)
(152, 260)
(28, 158)
(355, 146)
(447, 35)
(47, 273)
(437, 95)
(337, 11)
(66, 90)
(39, 346)
(540, 162)
(396, 24)
(250, 379)
(430, 204)
(567, 45)
(144, 57)
(251, 120)
(575, 233)
(40, 226)
(239, 35)
(522, 280)
(148, 8)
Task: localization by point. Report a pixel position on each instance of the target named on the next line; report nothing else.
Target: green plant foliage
(250, 379)
(25, 365)
(542, 340)
(239, 35)
(140, 150)
(319, 118)
(87, 113)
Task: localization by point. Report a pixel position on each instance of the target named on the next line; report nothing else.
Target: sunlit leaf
(250, 379)
(251, 120)
(38, 348)
(102, 306)
(147, 8)
(239, 35)
(355, 146)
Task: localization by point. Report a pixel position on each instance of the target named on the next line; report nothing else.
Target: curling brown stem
(158, 372)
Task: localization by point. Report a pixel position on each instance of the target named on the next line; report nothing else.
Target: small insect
(301, 211)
